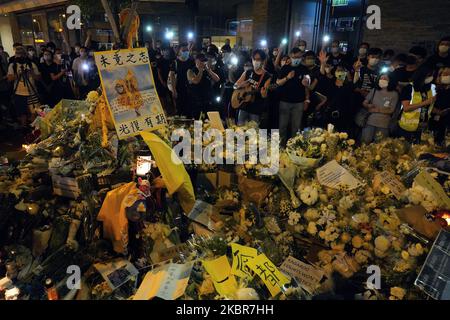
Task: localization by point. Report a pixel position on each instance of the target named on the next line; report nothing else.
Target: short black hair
(261, 53)
(17, 44)
(375, 52)
(420, 75)
(388, 52)
(365, 44)
(51, 45)
(447, 38)
(201, 57)
(295, 50)
(309, 54)
(401, 57)
(410, 60)
(77, 44)
(335, 41)
(419, 51)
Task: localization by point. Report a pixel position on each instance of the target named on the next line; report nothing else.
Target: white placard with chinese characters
(129, 88)
(333, 175)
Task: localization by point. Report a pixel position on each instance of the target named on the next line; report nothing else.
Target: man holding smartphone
(294, 95)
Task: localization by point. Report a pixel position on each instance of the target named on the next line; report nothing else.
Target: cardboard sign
(130, 92)
(395, 185)
(116, 273)
(269, 274)
(202, 213)
(167, 282)
(333, 175)
(434, 277)
(306, 275)
(215, 121)
(241, 256)
(427, 181)
(220, 272)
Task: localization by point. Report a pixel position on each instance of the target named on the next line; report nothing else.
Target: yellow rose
(345, 237)
(382, 243)
(398, 293)
(312, 229)
(405, 255)
(357, 242)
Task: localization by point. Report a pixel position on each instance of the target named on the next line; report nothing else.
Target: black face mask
(21, 60)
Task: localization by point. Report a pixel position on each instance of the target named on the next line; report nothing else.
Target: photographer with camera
(24, 74)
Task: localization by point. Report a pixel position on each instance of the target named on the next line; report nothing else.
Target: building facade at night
(245, 22)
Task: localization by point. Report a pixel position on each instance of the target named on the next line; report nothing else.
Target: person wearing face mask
(302, 46)
(380, 102)
(163, 68)
(201, 79)
(442, 56)
(335, 57)
(32, 55)
(326, 76)
(24, 74)
(420, 53)
(339, 108)
(294, 96)
(365, 76)
(388, 56)
(259, 80)
(179, 81)
(417, 101)
(362, 54)
(47, 84)
(440, 121)
(82, 68)
(217, 87)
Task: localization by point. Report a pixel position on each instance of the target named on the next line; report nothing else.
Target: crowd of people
(373, 94)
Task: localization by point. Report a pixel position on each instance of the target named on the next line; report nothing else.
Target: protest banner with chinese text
(129, 88)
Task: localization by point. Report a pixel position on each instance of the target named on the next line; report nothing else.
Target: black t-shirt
(338, 60)
(181, 68)
(325, 84)
(257, 82)
(163, 67)
(401, 75)
(46, 70)
(436, 61)
(442, 99)
(341, 98)
(293, 90)
(202, 92)
(368, 78)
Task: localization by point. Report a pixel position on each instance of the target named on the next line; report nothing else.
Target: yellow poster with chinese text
(241, 256)
(220, 272)
(269, 274)
(130, 91)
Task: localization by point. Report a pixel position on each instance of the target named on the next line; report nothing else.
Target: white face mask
(257, 64)
(443, 49)
(429, 80)
(362, 51)
(445, 79)
(383, 83)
